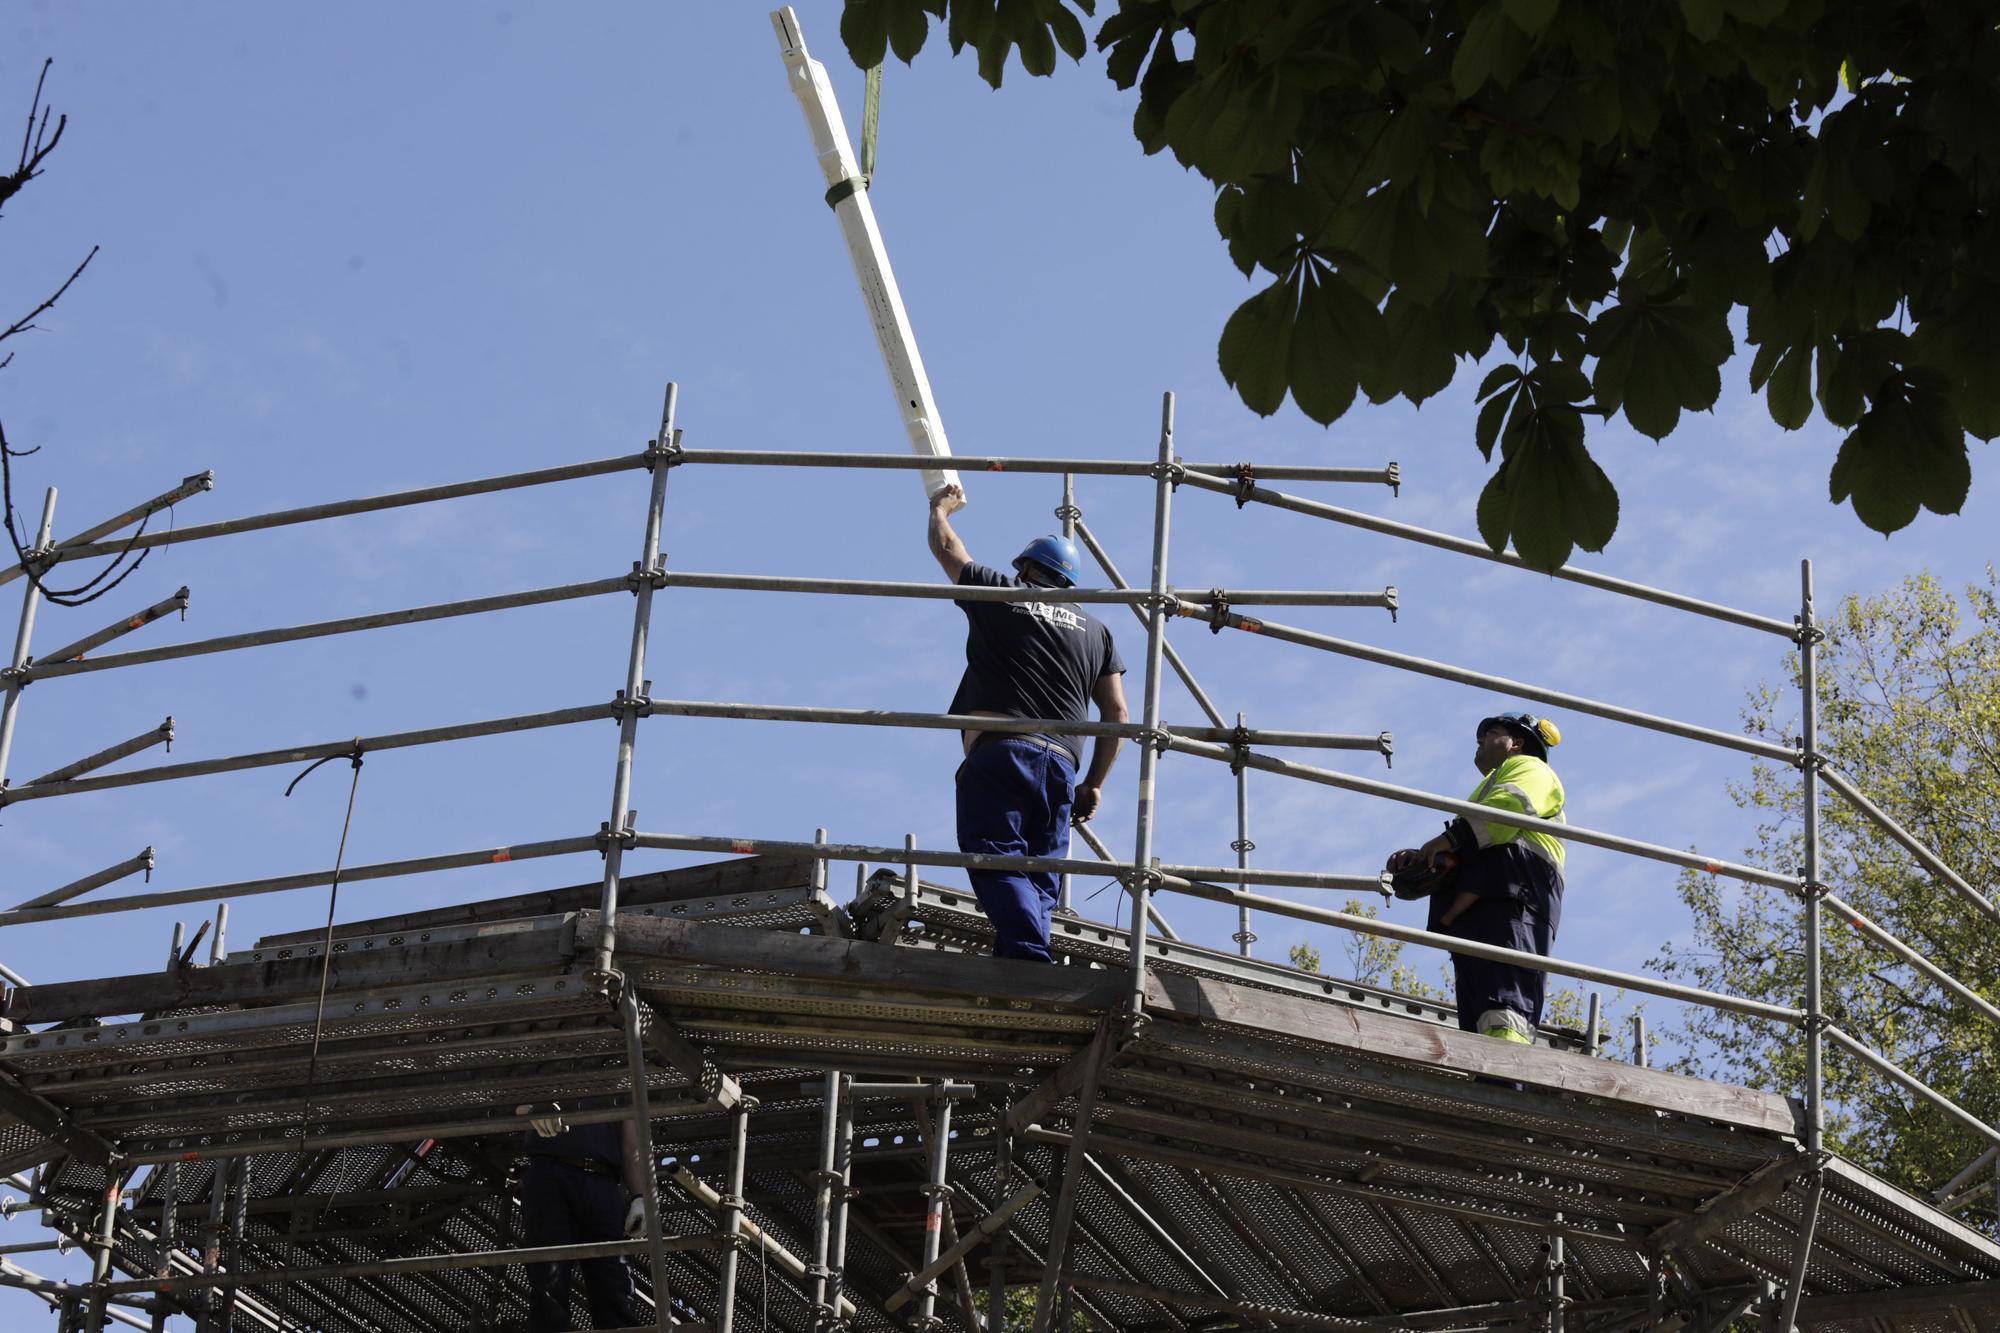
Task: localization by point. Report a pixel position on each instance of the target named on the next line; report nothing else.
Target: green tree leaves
(1909, 708)
(1601, 186)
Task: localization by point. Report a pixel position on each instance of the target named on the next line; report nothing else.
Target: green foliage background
(1599, 186)
(1909, 698)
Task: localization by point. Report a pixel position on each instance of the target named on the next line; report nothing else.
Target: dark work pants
(1014, 799)
(564, 1205)
(1519, 907)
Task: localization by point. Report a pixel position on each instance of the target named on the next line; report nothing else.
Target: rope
(326, 943)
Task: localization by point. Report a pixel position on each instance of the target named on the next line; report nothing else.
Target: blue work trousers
(1520, 906)
(564, 1205)
(1014, 798)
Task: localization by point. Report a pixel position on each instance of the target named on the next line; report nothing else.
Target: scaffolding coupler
(1218, 612)
(1246, 481)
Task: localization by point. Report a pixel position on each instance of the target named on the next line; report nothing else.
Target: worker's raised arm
(952, 557)
(1109, 694)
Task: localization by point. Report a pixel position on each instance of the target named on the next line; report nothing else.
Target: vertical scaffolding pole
(211, 1249)
(1003, 1167)
(824, 1310)
(1067, 513)
(635, 687)
(1057, 1252)
(1809, 637)
(732, 1215)
(642, 1124)
(239, 1208)
(934, 1201)
(1143, 874)
(1244, 936)
(1593, 1037)
(843, 1169)
(31, 601)
(107, 1230)
(1558, 1257)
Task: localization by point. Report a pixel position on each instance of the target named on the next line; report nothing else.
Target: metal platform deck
(1264, 1148)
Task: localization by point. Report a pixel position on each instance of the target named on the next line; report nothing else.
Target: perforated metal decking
(1266, 1148)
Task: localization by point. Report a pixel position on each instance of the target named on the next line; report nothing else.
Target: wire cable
(326, 943)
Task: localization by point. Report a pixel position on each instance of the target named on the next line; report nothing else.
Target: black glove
(1423, 880)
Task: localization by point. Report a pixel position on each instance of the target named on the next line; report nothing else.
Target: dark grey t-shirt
(1031, 659)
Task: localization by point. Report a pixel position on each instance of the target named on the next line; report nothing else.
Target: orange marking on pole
(743, 847)
(932, 1221)
(135, 622)
(190, 1157)
(504, 854)
(996, 466)
(1712, 868)
(1250, 626)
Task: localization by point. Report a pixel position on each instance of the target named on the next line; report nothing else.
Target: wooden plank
(1761, 1188)
(742, 875)
(275, 981)
(1207, 1000)
(999, 982)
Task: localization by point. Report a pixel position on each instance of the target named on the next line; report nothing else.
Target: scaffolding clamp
(640, 577)
(1239, 758)
(668, 453)
(1218, 610)
(638, 704)
(1172, 473)
(1246, 481)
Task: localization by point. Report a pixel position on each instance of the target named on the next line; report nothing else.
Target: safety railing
(1157, 603)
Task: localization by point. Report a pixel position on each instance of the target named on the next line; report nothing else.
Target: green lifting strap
(871, 119)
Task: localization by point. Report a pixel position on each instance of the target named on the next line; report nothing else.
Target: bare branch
(36, 141)
(23, 324)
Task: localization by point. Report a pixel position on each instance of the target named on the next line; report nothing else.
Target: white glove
(635, 1219)
(548, 1126)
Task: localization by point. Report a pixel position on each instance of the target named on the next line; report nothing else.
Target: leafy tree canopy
(1909, 695)
(1598, 185)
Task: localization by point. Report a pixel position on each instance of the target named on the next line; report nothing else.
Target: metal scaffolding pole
(1200, 479)
(1183, 603)
(642, 1127)
(936, 1192)
(1479, 679)
(107, 1232)
(199, 482)
(80, 550)
(843, 1195)
(115, 630)
(631, 700)
(1242, 846)
(1927, 858)
(823, 1186)
(160, 735)
(1150, 745)
(97, 879)
(1811, 890)
(54, 666)
(732, 1215)
(1057, 1257)
(1387, 475)
(24, 633)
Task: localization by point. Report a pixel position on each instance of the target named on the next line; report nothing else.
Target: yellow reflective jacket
(1525, 785)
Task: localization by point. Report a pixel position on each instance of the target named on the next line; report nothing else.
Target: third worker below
(1017, 792)
(1508, 883)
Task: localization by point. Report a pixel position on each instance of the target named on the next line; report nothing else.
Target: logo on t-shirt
(1055, 613)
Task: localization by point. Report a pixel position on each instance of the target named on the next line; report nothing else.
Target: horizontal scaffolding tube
(1444, 671)
(1250, 1312)
(565, 592)
(396, 740)
(1840, 1038)
(1912, 957)
(131, 865)
(165, 606)
(950, 592)
(1930, 860)
(366, 505)
(249, 888)
(846, 851)
(1445, 542)
(160, 735)
(1387, 475)
(1487, 814)
(423, 1263)
(870, 717)
(200, 481)
(1173, 658)
(1368, 925)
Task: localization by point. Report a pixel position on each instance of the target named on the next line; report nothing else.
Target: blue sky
(355, 249)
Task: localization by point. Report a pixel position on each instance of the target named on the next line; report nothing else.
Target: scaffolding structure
(314, 1133)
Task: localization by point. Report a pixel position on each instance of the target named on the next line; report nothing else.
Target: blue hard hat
(1057, 555)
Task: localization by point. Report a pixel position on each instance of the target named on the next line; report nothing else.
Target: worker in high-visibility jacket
(1508, 885)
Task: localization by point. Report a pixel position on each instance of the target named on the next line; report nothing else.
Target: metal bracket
(1172, 473)
(1218, 611)
(668, 453)
(1395, 476)
(641, 577)
(622, 703)
(1157, 737)
(1246, 478)
(1239, 757)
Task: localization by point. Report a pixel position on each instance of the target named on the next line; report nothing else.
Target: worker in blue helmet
(1018, 791)
(1495, 882)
